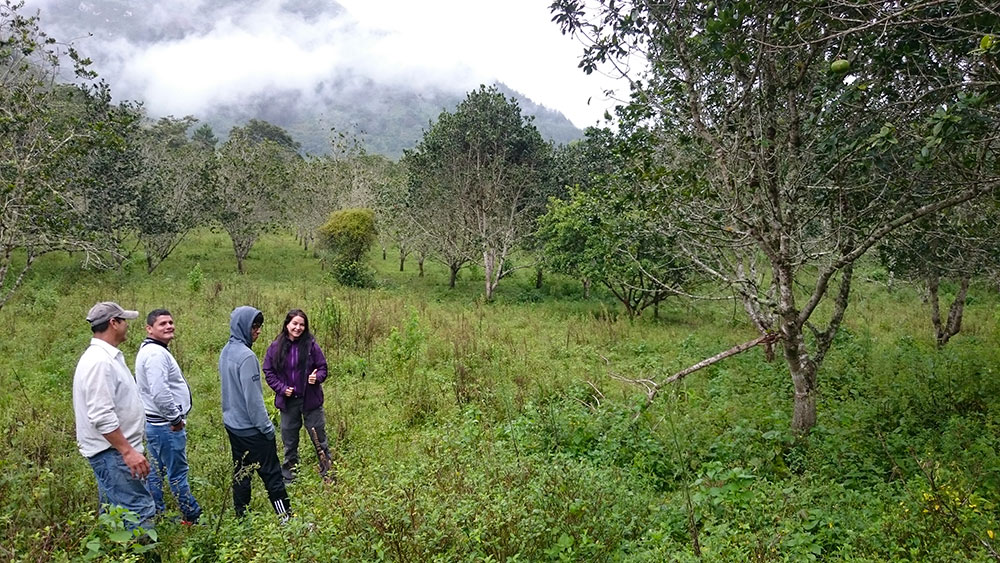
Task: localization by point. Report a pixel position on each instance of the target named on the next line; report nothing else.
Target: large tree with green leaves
(175, 186)
(253, 189)
(101, 178)
(258, 130)
(791, 138)
(611, 241)
(205, 137)
(612, 244)
(55, 139)
(476, 183)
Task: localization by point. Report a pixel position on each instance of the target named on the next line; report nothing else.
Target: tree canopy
(63, 154)
(788, 139)
(476, 182)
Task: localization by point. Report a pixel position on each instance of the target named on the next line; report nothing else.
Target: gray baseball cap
(107, 310)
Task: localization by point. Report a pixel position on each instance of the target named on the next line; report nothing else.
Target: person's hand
(179, 427)
(289, 391)
(137, 463)
(312, 377)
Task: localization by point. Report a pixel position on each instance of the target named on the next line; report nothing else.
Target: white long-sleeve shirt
(164, 392)
(105, 398)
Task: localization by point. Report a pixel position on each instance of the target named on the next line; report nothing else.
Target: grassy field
(471, 431)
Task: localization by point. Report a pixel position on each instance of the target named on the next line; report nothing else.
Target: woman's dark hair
(285, 342)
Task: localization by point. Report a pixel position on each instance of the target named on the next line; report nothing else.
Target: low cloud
(183, 56)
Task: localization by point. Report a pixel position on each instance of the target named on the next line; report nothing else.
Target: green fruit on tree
(840, 65)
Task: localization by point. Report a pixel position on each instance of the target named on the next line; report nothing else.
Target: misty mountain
(387, 118)
(124, 37)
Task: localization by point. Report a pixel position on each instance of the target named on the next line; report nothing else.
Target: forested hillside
(388, 119)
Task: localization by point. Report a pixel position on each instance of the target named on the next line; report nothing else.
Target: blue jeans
(117, 487)
(168, 450)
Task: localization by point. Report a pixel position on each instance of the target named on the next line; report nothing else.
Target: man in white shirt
(167, 401)
(109, 416)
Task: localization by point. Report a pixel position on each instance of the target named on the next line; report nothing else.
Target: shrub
(354, 274)
(195, 278)
(348, 234)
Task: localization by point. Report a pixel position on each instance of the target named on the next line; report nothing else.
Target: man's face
(119, 328)
(254, 333)
(162, 329)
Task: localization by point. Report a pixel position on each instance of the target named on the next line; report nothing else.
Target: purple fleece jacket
(281, 377)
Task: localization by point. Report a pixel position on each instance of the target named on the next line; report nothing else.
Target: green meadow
(465, 430)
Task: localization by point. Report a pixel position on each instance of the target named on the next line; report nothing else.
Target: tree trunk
(943, 331)
(957, 308)
(804, 415)
(420, 265)
(586, 288)
(384, 256)
(241, 248)
(538, 278)
(489, 265)
(402, 260)
(453, 275)
(801, 366)
(803, 372)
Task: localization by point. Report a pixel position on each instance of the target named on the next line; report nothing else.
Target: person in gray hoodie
(251, 434)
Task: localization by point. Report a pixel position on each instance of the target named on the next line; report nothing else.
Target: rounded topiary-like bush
(348, 235)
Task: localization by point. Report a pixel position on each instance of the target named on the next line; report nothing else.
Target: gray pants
(292, 420)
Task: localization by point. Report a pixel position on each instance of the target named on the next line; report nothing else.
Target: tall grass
(467, 431)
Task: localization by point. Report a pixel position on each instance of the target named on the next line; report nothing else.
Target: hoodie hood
(240, 322)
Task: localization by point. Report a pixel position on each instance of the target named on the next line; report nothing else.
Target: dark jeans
(168, 453)
(292, 420)
(259, 452)
(117, 487)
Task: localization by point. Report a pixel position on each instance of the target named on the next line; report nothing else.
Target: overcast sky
(514, 41)
(261, 44)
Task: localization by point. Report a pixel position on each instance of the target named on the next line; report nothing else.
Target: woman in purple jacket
(295, 368)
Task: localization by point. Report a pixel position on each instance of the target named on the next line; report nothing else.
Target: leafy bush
(349, 234)
(354, 274)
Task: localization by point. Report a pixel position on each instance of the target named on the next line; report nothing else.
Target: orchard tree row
(83, 174)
